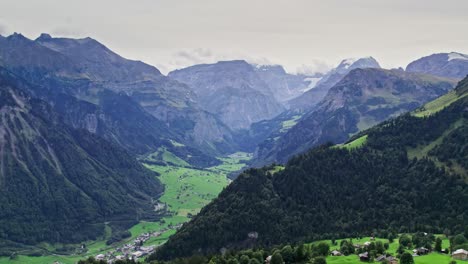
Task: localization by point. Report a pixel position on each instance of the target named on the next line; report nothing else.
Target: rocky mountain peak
(276, 69)
(18, 38)
(43, 36)
(353, 63)
(457, 56)
(449, 65)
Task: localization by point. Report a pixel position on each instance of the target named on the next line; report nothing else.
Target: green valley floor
(187, 190)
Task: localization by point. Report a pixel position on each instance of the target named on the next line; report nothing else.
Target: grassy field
(357, 143)
(162, 154)
(40, 260)
(433, 258)
(286, 125)
(187, 190)
(438, 104)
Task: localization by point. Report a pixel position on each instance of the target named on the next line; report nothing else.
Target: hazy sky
(299, 34)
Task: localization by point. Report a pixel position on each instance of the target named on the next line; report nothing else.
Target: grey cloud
(313, 67)
(169, 32)
(66, 32)
(194, 56)
(3, 30)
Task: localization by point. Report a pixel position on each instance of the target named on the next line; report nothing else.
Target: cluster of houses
(365, 257)
(384, 257)
(459, 254)
(132, 250)
(135, 249)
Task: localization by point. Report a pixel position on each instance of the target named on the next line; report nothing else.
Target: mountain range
(83, 70)
(76, 120)
(361, 99)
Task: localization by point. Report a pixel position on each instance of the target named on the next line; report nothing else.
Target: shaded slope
(59, 184)
(363, 98)
(311, 98)
(128, 102)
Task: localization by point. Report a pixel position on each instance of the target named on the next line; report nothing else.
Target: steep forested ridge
(59, 184)
(332, 191)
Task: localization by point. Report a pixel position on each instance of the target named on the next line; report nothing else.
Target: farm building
(335, 253)
(460, 254)
(364, 256)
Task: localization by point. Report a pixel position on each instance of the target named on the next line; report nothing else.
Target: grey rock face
(283, 85)
(450, 65)
(232, 90)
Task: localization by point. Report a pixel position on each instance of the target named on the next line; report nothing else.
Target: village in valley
(134, 250)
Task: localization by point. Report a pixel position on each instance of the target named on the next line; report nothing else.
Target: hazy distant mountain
(310, 98)
(232, 90)
(363, 98)
(283, 85)
(451, 65)
(59, 184)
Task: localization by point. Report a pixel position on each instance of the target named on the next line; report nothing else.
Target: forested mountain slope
(59, 184)
(380, 182)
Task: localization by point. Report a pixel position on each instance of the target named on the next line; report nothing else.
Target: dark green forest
(59, 184)
(334, 192)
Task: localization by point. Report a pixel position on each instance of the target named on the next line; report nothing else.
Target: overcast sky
(299, 34)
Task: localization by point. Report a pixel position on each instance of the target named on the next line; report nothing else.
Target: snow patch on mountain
(312, 83)
(457, 56)
(348, 62)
